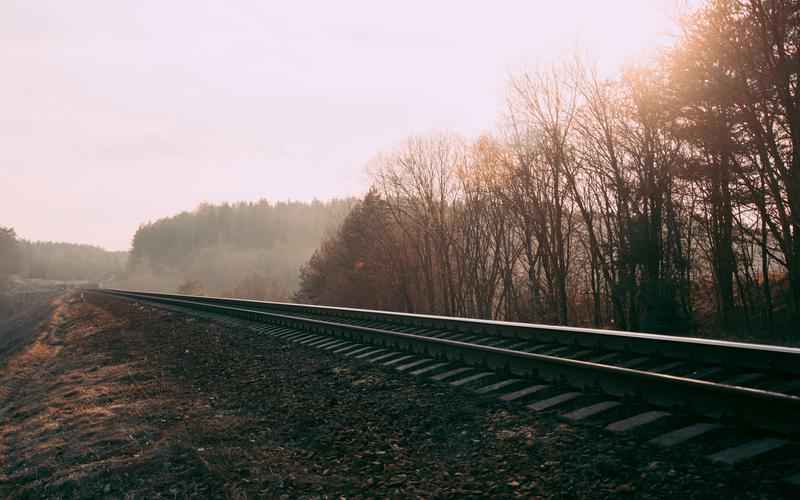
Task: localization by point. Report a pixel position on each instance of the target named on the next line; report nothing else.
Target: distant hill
(241, 249)
(69, 262)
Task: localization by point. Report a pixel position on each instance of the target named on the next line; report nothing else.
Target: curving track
(745, 384)
(738, 402)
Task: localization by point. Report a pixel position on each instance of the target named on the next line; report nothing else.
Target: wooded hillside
(69, 262)
(57, 261)
(243, 249)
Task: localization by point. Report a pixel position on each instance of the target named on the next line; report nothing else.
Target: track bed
(147, 402)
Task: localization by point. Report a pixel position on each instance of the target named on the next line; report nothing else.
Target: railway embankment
(113, 398)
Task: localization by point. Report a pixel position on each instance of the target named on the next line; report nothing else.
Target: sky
(115, 113)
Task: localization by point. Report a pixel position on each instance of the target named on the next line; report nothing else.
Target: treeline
(9, 255)
(244, 249)
(69, 262)
(665, 199)
(56, 261)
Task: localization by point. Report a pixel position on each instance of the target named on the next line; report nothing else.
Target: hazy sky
(113, 113)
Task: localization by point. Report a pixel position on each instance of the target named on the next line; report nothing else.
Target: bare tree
(543, 108)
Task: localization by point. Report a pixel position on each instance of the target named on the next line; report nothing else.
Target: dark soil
(125, 401)
(20, 315)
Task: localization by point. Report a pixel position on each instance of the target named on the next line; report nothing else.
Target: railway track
(683, 389)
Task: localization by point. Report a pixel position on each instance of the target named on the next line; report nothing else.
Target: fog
(115, 114)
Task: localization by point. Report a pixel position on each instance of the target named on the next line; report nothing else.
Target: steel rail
(765, 358)
(753, 407)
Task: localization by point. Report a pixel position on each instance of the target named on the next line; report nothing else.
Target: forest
(665, 199)
(9, 255)
(245, 249)
(57, 261)
(69, 262)
(242, 249)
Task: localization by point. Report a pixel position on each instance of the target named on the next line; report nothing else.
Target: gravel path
(140, 402)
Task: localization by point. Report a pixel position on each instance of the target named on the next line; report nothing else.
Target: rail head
(759, 408)
(769, 358)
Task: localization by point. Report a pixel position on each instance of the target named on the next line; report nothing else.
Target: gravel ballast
(116, 399)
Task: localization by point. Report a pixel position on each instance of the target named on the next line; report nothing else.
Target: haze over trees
(69, 262)
(243, 249)
(665, 199)
(56, 261)
(9, 255)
